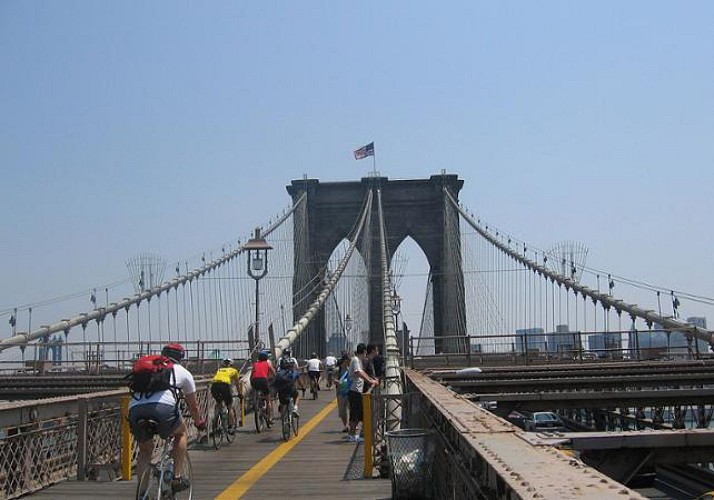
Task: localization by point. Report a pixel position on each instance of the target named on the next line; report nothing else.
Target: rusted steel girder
(501, 464)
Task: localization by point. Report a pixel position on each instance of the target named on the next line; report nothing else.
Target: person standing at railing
(342, 388)
(358, 377)
(369, 367)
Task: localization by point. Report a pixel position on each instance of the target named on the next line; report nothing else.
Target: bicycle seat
(150, 424)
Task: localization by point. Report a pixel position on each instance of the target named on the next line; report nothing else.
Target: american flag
(364, 151)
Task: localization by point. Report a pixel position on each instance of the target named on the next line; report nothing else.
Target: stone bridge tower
(417, 208)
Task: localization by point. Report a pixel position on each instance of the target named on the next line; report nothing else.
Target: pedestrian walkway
(318, 463)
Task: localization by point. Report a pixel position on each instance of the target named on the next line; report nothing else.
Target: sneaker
(180, 484)
(296, 412)
(354, 439)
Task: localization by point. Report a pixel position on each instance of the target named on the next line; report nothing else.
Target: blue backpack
(344, 384)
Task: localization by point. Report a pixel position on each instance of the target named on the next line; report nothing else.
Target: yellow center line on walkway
(247, 480)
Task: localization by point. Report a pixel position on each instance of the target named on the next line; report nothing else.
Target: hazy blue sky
(173, 127)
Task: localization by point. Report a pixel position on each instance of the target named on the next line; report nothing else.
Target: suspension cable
(606, 300)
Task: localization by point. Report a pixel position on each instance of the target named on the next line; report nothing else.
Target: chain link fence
(85, 443)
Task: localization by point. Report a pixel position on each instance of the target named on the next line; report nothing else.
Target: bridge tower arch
(417, 208)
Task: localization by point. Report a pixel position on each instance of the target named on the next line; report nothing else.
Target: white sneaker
(354, 439)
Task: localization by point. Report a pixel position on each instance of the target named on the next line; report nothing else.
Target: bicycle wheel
(228, 429)
(216, 431)
(295, 424)
(187, 472)
(285, 420)
(149, 487)
(259, 415)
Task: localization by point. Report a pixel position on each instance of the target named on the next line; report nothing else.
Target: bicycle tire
(228, 430)
(295, 423)
(187, 472)
(285, 421)
(216, 431)
(258, 411)
(149, 487)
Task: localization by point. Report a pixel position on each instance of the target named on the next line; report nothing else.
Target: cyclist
(163, 407)
(330, 365)
(262, 371)
(221, 388)
(314, 366)
(286, 380)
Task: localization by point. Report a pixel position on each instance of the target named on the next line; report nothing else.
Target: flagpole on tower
(374, 163)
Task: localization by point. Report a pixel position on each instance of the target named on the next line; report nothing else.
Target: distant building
(562, 340)
(699, 322)
(337, 343)
(530, 339)
(606, 345)
(659, 342)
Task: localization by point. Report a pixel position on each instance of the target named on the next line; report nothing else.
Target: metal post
(257, 314)
(271, 338)
(468, 350)
(367, 428)
(126, 440)
(82, 413)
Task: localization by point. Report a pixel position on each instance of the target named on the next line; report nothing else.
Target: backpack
(344, 384)
(284, 378)
(151, 373)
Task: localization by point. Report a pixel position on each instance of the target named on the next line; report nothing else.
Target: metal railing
(558, 347)
(69, 438)
(96, 357)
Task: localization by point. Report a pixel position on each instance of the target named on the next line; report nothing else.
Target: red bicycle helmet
(175, 352)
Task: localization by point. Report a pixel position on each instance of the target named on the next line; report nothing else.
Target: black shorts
(355, 399)
(167, 416)
(314, 375)
(260, 384)
(222, 392)
(285, 392)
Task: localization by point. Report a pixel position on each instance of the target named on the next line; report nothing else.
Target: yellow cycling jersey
(226, 375)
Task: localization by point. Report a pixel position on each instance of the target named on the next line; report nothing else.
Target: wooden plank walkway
(319, 464)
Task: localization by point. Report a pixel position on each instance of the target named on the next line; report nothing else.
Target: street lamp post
(257, 249)
(348, 329)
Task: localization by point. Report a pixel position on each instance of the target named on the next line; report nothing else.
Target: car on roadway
(543, 421)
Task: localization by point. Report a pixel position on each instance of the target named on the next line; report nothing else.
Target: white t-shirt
(313, 365)
(330, 361)
(183, 380)
(357, 382)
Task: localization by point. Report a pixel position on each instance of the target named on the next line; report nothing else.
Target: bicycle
(313, 386)
(261, 411)
(289, 420)
(221, 428)
(155, 482)
(330, 376)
